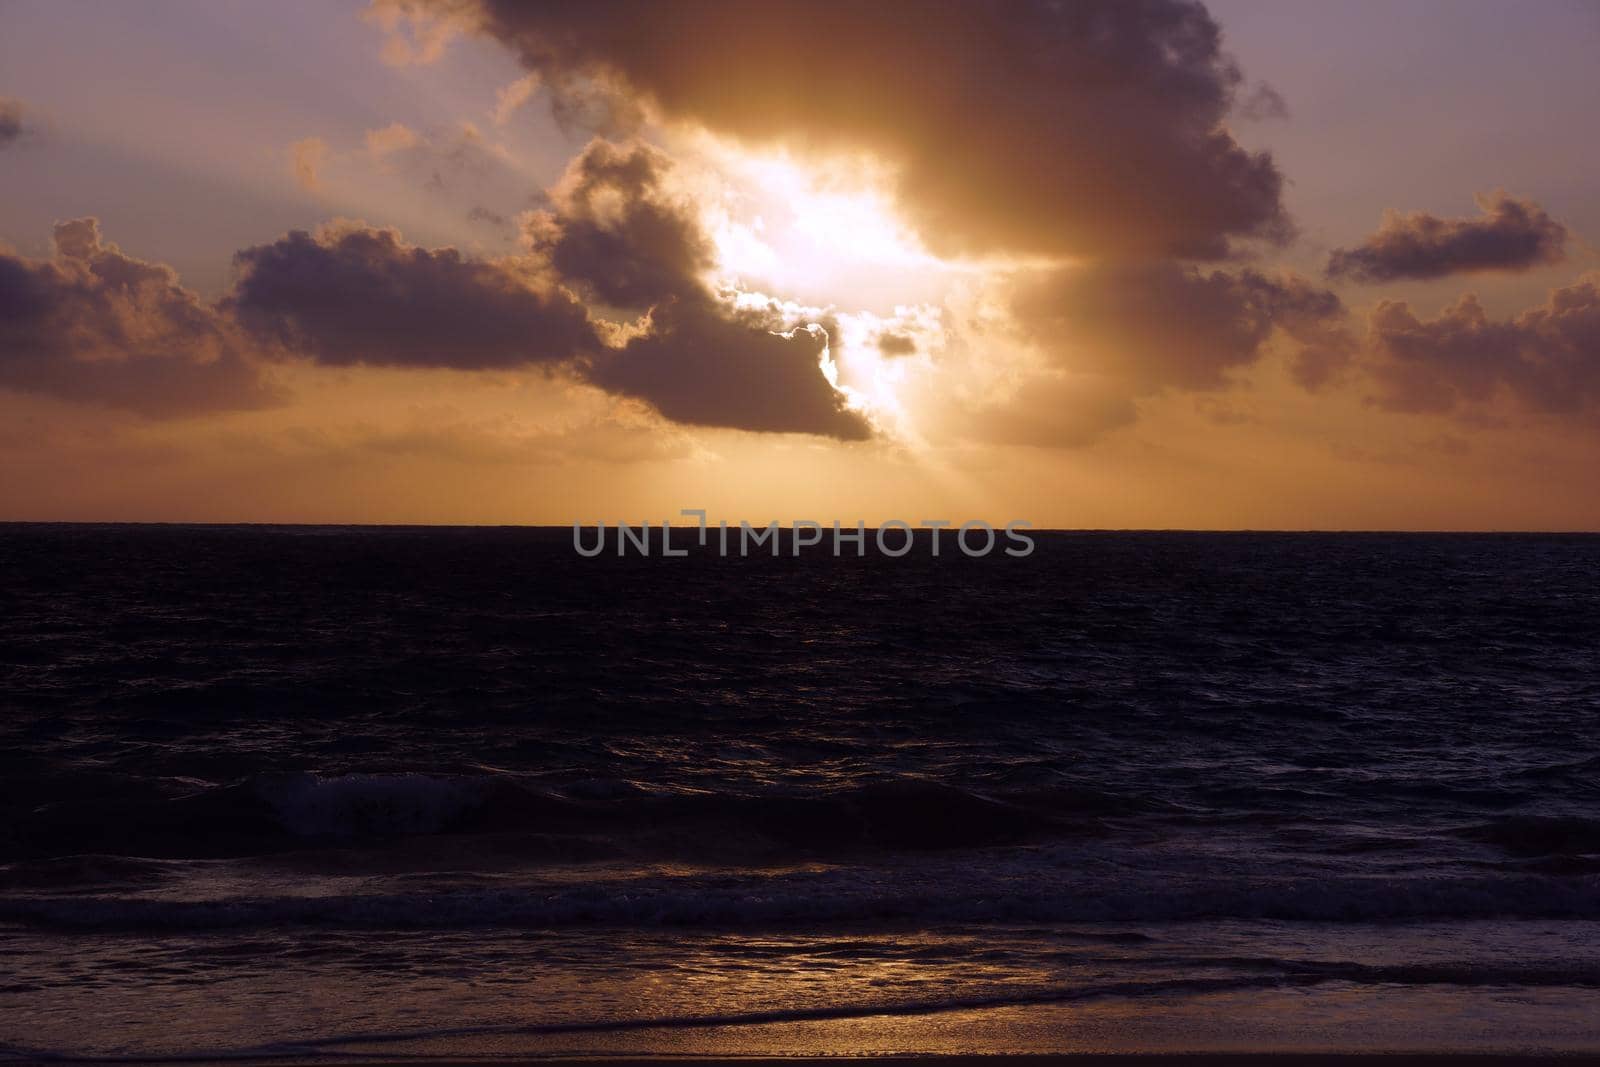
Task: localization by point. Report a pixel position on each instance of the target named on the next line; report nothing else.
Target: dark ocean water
(314, 790)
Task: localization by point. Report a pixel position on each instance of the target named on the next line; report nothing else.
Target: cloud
(95, 325)
(353, 294)
(1315, 321)
(1108, 335)
(513, 96)
(11, 127)
(306, 159)
(1547, 358)
(395, 137)
(1510, 235)
(701, 365)
(618, 236)
(1091, 128)
(1164, 325)
(412, 34)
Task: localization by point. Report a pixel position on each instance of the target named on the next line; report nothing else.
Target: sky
(1130, 264)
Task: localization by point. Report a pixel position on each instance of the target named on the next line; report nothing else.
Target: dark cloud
(95, 325)
(1089, 128)
(617, 236)
(1547, 358)
(1163, 325)
(10, 120)
(1315, 321)
(1114, 334)
(351, 294)
(702, 364)
(1510, 235)
(654, 330)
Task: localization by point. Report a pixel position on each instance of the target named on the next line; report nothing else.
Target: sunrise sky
(1257, 264)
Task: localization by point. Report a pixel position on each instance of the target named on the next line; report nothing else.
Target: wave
(831, 899)
(273, 813)
(366, 805)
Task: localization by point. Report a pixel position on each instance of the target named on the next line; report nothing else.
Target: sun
(819, 232)
(824, 240)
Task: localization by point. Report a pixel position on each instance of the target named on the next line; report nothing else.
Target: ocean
(322, 792)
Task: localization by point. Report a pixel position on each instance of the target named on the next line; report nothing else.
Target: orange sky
(1139, 265)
